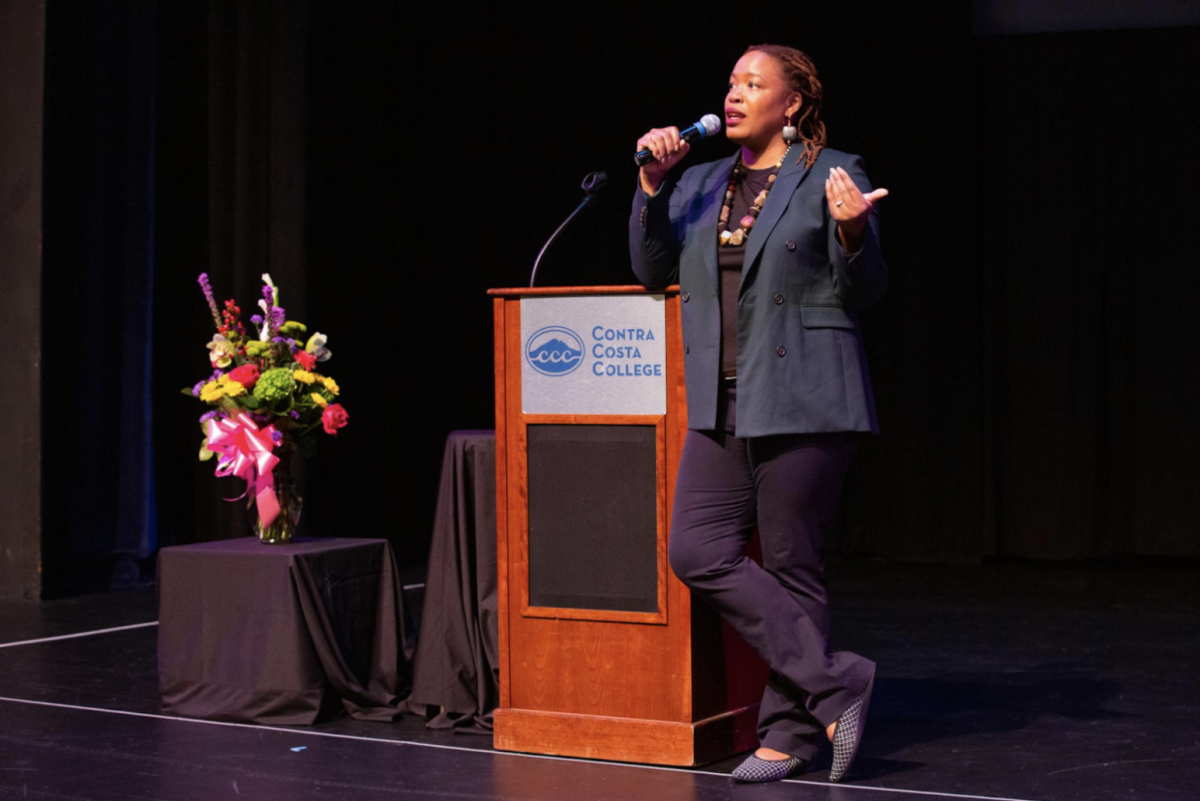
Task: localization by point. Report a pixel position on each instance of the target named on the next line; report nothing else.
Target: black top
(730, 260)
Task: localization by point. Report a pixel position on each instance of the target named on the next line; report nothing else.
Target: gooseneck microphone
(593, 182)
(708, 125)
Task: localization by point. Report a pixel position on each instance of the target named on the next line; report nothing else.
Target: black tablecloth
(456, 667)
(283, 634)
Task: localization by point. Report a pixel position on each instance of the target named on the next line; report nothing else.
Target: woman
(774, 248)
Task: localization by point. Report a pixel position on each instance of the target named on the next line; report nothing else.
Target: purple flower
(276, 436)
(256, 319)
(295, 415)
(212, 302)
(279, 340)
(196, 389)
(204, 418)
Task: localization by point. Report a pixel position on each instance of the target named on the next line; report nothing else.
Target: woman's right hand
(668, 149)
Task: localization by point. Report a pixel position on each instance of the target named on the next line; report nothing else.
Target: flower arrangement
(267, 397)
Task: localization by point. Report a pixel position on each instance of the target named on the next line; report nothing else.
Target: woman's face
(759, 102)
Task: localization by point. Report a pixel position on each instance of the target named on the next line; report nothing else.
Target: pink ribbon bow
(245, 452)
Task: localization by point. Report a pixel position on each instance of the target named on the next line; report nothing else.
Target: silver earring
(790, 134)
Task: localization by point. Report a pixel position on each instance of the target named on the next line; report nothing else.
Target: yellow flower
(320, 401)
(211, 391)
(303, 376)
(222, 387)
(331, 385)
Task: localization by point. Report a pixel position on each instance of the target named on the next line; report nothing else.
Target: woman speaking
(774, 248)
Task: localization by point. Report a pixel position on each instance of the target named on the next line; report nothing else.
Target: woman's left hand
(849, 207)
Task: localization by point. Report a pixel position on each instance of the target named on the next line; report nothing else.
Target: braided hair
(801, 76)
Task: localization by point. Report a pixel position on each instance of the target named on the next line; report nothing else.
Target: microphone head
(593, 182)
(711, 124)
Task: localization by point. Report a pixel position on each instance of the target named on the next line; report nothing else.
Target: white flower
(266, 315)
(316, 346)
(221, 351)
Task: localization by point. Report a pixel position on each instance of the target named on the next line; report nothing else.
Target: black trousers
(787, 486)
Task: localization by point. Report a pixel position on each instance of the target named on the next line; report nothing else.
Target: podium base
(651, 742)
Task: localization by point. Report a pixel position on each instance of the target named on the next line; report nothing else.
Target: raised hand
(849, 207)
(668, 149)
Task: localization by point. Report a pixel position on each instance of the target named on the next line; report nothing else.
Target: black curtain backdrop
(1092, 343)
(1033, 358)
(174, 145)
(232, 83)
(98, 409)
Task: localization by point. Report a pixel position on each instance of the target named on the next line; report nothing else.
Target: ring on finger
(839, 203)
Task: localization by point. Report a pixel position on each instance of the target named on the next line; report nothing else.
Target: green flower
(274, 385)
(256, 348)
(293, 329)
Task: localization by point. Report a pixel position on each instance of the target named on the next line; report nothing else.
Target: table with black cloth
(456, 668)
(281, 634)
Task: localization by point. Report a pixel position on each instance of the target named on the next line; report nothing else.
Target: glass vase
(287, 490)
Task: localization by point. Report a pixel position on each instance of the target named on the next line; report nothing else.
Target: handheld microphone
(708, 125)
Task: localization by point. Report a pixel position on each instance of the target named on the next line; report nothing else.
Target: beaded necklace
(731, 239)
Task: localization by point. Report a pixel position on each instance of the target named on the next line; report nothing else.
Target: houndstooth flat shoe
(848, 734)
(768, 770)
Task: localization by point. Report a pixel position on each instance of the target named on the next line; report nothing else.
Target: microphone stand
(591, 186)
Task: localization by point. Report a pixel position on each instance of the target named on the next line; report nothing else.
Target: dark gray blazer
(800, 361)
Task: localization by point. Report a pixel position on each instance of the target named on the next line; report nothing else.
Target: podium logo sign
(554, 350)
(602, 354)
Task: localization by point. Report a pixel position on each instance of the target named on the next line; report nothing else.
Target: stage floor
(1010, 680)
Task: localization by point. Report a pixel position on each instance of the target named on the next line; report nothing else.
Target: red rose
(246, 375)
(333, 418)
(306, 360)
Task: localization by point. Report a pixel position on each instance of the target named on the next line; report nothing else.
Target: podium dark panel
(593, 517)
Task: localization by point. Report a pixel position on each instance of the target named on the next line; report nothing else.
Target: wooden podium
(603, 653)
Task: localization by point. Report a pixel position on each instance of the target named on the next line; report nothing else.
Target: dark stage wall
(22, 48)
(1032, 359)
